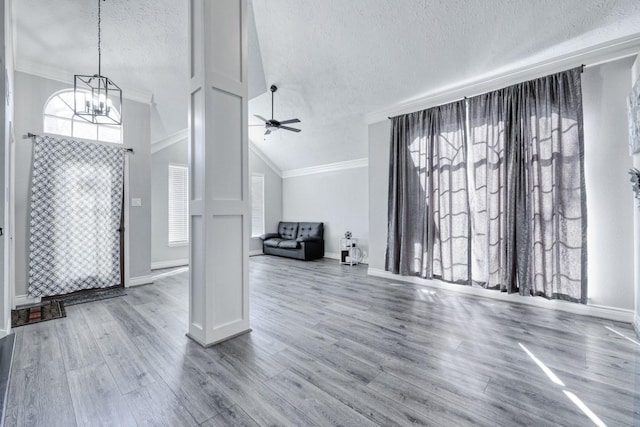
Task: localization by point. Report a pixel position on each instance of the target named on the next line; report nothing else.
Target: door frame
(127, 213)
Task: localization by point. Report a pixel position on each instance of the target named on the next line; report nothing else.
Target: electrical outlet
(136, 202)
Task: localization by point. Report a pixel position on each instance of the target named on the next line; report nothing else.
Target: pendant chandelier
(97, 99)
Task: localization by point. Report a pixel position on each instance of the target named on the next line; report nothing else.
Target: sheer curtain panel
(491, 204)
(523, 227)
(428, 234)
(76, 204)
(529, 210)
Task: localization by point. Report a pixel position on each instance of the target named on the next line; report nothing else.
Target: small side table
(348, 252)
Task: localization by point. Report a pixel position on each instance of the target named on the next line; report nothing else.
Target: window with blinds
(257, 205)
(178, 205)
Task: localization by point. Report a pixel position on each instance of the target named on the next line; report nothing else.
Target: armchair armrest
(267, 236)
(309, 239)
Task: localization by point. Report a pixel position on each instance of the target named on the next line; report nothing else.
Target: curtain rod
(583, 66)
(31, 135)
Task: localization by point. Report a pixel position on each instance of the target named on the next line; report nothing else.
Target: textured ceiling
(337, 60)
(334, 60)
(144, 46)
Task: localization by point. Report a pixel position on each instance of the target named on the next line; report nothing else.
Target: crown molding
(330, 167)
(265, 159)
(59, 75)
(594, 55)
(168, 141)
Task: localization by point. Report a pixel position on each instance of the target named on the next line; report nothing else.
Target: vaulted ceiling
(144, 48)
(334, 61)
(337, 60)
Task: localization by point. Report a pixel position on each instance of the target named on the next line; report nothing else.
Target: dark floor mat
(38, 313)
(95, 295)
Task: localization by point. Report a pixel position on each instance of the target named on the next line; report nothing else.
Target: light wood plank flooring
(330, 346)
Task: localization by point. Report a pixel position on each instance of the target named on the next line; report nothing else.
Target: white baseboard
(7, 327)
(169, 264)
(336, 256)
(256, 252)
(636, 324)
(170, 273)
(610, 313)
(332, 255)
(20, 300)
(140, 280)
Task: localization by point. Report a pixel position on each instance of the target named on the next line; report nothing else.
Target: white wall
(609, 197)
(635, 77)
(257, 83)
(161, 253)
(337, 198)
(136, 125)
(379, 134)
(272, 197)
(6, 130)
(31, 93)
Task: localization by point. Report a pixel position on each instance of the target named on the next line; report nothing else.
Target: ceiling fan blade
(291, 129)
(262, 125)
(260, 117)
(286, 122)
(267, 132)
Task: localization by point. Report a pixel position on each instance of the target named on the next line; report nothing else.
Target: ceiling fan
(273, 124)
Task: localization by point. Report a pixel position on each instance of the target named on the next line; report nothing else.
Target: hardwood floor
(329, 346)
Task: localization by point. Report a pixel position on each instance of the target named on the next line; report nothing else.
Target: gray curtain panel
(76, 200)
(491, 205)
(428, 233)
(523, 227)
(528, 209)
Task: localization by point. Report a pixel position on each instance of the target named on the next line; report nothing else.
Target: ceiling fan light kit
(96, 95)
(271, 125)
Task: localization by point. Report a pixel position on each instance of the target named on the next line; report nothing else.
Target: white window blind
(178, 205)
(257, 205)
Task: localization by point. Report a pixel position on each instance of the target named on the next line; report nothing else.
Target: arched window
(59, 120)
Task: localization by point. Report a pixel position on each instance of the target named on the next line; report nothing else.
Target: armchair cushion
(268, 236)
(273, 242)
(288, 230)
(288, 244)
(314, 230)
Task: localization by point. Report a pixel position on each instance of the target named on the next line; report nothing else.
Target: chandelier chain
(97, 99)
(99, 38)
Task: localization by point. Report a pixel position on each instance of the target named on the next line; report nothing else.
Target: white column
(218, 160)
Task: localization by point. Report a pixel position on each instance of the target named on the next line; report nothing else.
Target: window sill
(177, 244)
